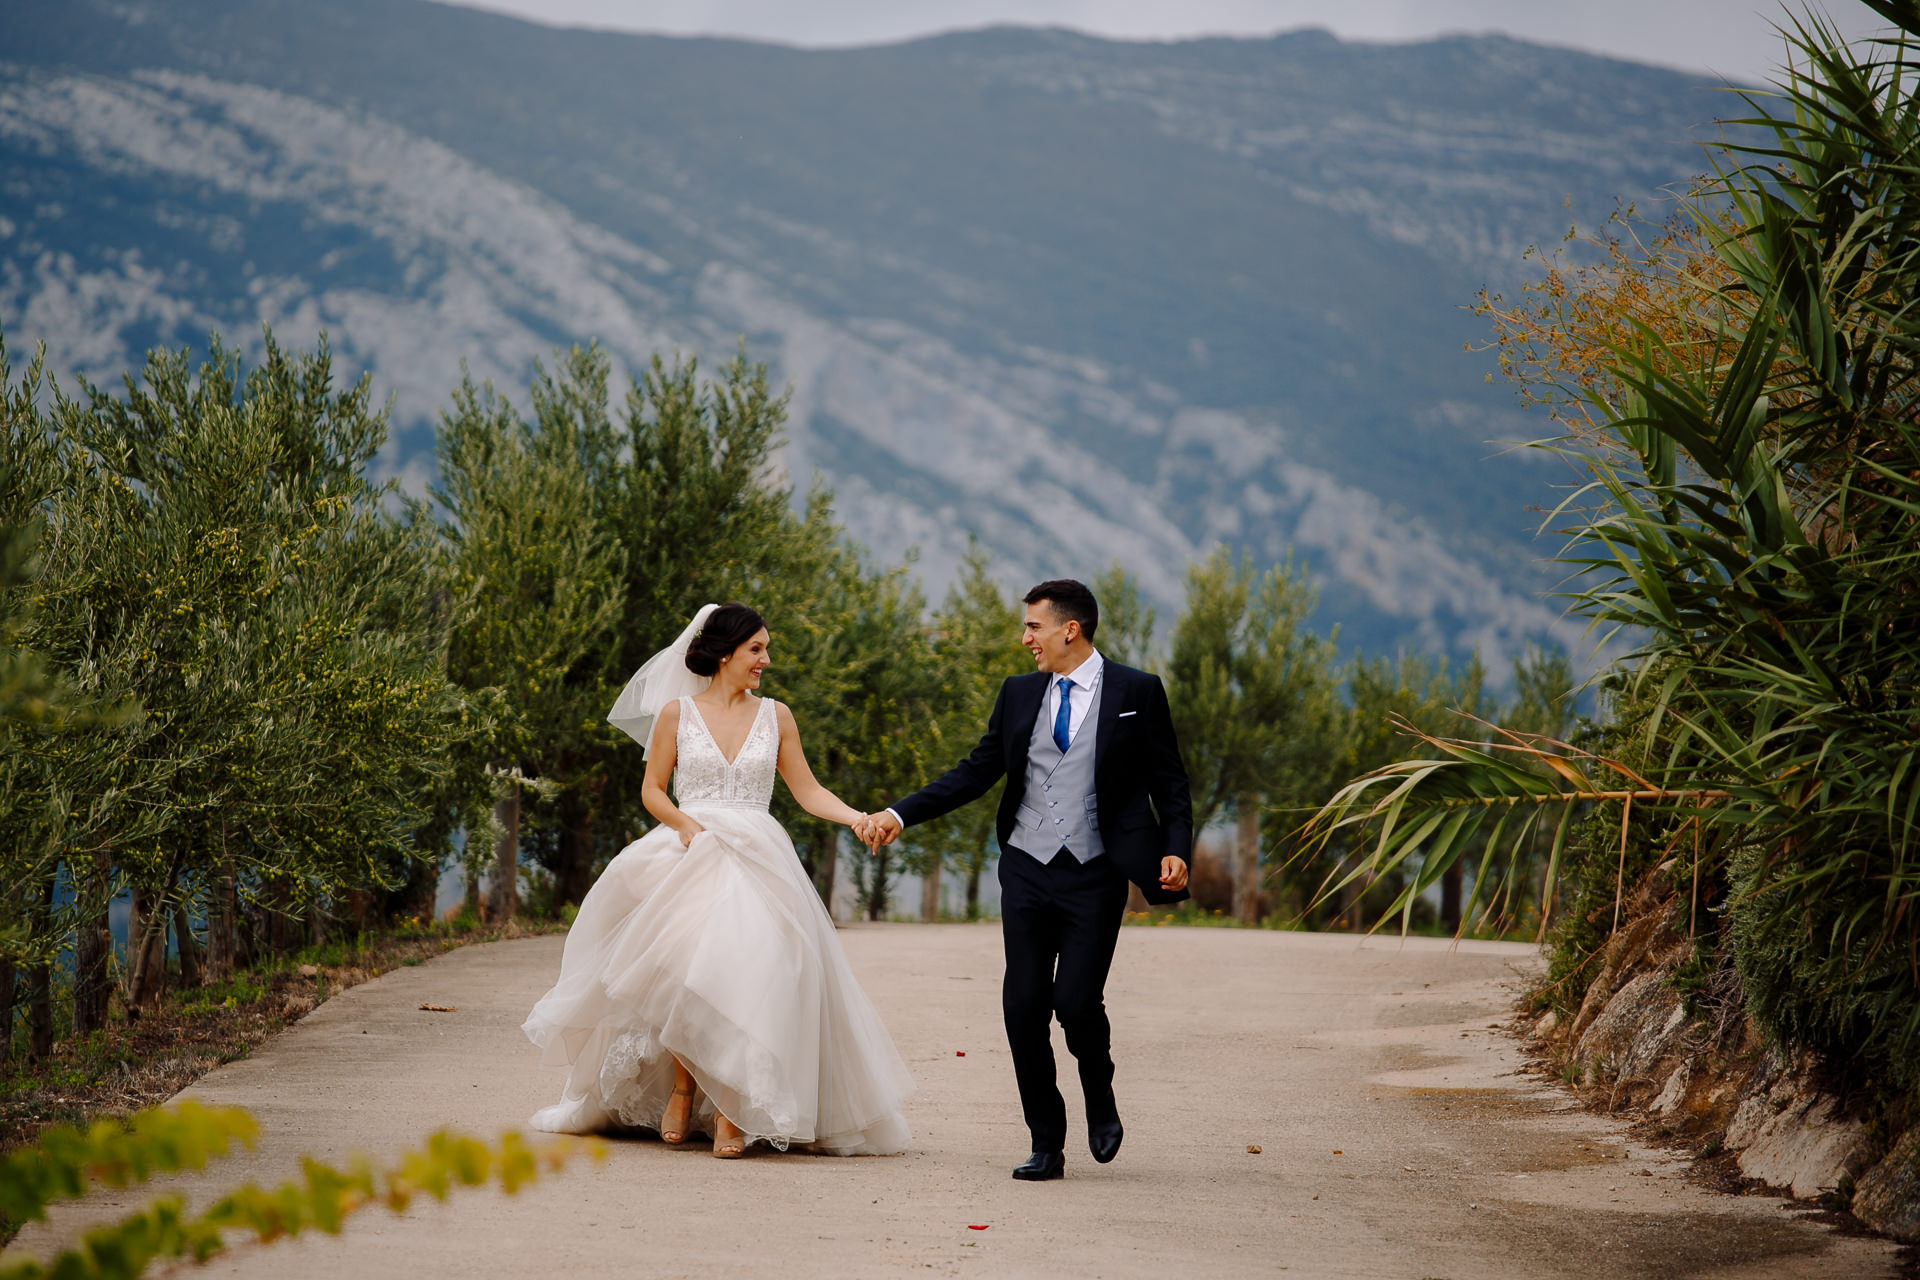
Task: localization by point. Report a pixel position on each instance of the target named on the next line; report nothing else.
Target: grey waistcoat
(1058, 810)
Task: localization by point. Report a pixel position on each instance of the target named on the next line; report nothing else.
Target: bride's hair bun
(726, 629)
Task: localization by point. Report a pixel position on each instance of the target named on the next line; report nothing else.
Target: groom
(1096, 796)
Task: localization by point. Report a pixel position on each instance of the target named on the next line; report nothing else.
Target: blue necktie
(1060, 738)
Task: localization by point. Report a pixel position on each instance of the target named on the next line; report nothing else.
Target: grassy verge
(143, 1059)
(1193, 916)
(1190, 915)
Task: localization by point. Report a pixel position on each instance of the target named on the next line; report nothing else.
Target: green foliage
(30, 694)
(976, 647)
(1428, 813)
(605, 537)
(66, 1162)
(1267, 722)
(215, 554)
(1597, 864)
(1543, 693)
(701, 519)
(1251, 688)
(535, 570)
(1768, 543)
(1126, 619)
(531, 565)
(1758, 528)
(853, 658)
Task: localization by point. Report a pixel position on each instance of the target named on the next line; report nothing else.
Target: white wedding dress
(720, 953)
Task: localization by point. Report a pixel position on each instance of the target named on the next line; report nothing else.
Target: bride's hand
(688, 832)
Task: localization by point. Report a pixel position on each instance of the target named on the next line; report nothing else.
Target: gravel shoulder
(1397, 1134)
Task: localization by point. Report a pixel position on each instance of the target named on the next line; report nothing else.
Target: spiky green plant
(1759, 536)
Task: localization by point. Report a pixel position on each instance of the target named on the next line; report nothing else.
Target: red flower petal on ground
(959, 1053)
(976, 1226)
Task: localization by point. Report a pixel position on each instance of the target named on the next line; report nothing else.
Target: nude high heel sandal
(729, 1143)
(674, 1134)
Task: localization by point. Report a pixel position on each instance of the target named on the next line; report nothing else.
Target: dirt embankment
(1684, 1058)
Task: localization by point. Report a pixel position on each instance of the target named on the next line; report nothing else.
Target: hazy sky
(1731, 37)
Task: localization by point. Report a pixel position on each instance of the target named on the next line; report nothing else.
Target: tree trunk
(826, 858)
(973, 893)
(574, 876)
(92, 951)
(930, 895)
(147, 940)
(1348, 901)
(40, 1013)
(136, 947)
(1246, 888)
(503, 898)
(1450, 896)
(276, 911)
(250, 933)
(317, 923)
(223, 943)
(192, 972)
(877, 887)
(422, 894)
(7, 972)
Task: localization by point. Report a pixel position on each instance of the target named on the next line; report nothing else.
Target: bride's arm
(662, 753)
(813, 797)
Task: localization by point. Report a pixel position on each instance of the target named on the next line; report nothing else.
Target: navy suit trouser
(1060, 920)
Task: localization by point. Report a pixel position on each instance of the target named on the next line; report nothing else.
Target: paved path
(1396, 1140)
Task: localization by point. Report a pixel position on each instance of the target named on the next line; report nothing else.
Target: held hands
(876, 829)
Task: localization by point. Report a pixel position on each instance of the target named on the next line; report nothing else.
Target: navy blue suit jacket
(1140, 784)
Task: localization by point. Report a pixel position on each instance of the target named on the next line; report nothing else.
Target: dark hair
(726, 629)
(1071, 601)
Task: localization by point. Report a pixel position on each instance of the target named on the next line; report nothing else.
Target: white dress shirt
(1086, 681)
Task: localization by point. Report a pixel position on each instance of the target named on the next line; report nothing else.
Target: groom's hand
(1173, 874)
(882, 828)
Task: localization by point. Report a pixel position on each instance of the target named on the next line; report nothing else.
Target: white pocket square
(1124, 714)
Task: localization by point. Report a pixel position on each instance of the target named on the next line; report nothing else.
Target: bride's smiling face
(744, 665)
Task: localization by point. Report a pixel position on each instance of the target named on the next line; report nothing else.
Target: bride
(702, 988)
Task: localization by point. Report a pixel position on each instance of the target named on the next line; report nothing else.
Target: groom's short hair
(1070, 600)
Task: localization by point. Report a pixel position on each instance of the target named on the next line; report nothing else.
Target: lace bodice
(702, 775)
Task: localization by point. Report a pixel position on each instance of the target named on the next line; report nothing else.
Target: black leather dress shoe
(1103, 1138)
(1042, 1166)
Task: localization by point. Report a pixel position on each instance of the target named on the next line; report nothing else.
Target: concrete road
(1395, 1139)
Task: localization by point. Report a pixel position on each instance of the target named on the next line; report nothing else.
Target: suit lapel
(1022, 714)
(1110, 680)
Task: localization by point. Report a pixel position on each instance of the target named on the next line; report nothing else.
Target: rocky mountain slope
(1086, 300)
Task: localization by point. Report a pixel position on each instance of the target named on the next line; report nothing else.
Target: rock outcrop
(1790, 1133)
(1701, 1069)
(1889, 1195)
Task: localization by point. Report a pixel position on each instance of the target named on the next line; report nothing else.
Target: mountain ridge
(1009, 277)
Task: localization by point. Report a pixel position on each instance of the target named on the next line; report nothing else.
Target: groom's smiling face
(1049, 638)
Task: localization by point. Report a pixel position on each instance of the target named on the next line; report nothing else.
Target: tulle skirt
(720, 954)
